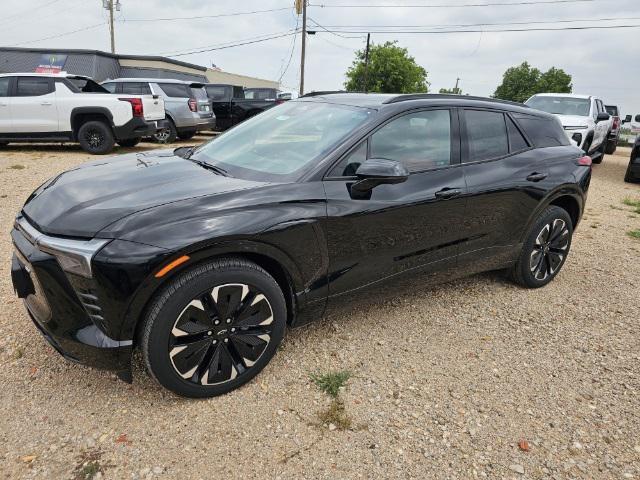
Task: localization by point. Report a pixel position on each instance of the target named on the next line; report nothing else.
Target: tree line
(392, 70)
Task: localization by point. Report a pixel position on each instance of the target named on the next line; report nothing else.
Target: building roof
(105, 54)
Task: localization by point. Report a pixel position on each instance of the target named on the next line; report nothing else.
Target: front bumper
(66, 308)
(138, 128)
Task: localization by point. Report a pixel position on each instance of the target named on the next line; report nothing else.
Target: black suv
(202, 256)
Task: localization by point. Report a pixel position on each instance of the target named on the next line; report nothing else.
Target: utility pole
(112, 5)
(304, 44)
(366, 65)
(455, 90)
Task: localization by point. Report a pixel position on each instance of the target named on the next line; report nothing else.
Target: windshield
(283, 142)
(561, 105)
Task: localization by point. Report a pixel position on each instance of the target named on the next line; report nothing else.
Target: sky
(603, 62)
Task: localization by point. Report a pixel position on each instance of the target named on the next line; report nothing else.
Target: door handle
(536, 177)
(446, 193)
(46, 104)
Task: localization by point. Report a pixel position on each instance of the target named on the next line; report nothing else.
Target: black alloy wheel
(214, 328)
(96, 137)
(545, 250)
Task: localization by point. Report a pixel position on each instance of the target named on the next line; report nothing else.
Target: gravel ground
(473, 378)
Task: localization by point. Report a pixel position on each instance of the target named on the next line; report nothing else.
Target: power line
(541, 29)
(90, 27)
(199, 17)
(442, 26)
(332, 33)
(492, 4)
(235, 44)
(293, 47)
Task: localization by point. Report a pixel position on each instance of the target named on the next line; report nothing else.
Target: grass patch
(18, 353)
(336, 415)
(17, 167)
(634, 233)
(88, 465)
(631, 202)
(331, 382)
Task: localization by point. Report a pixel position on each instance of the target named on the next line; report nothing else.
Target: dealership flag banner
(51, 63)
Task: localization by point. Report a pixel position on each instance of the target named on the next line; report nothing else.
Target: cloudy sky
(603, 62)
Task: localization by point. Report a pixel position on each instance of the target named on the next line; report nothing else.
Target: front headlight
(74, 256)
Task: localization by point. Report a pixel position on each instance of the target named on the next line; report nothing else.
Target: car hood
(574, 120)
(82, 201)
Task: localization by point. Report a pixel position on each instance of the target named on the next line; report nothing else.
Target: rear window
(612, 110)
(217, 93)
(543, 132)
(199, 93)
(4, 87)
(260, 93)
(110, 87)
(175, 90)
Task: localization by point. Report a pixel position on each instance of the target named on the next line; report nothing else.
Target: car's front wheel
(545, 249)
(213, 328)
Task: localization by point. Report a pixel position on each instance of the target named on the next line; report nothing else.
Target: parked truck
(232, 107)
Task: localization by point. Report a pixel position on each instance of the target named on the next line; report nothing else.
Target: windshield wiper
(208, 166)
(184, 152)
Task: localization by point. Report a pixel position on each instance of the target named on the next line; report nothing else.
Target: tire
(627, 175)
(601, 151)
(186, 134)
(129, 142)
(546, 252)
(612, 145)
(3, 144)
(242, 344)
(96, 137)
(168, 135)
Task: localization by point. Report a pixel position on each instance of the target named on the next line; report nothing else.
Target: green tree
(391, 70)
(519, 83)
(451, 91)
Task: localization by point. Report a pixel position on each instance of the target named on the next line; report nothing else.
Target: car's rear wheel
(545, 249)
(96, 137)
(129, 142)
(629, 177)
(612, 145)
(168, 134)
(213, 328)
(186, 134)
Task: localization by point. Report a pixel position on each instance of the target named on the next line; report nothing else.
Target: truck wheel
(129, 142)
(96, 137)
(612, 145)
(168, 135)
(186, 134)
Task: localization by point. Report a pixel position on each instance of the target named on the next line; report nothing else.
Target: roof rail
(323, 92)
(426, 96)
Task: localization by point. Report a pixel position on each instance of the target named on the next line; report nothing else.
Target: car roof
(151, 80)
(38, 74)
(569, 95)
(385, 100)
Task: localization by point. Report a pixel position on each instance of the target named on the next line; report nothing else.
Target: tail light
(585, 161)
(193, 104)
(280, 101)
(616, 122)
(136, 106)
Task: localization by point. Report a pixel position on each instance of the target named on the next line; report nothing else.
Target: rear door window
(175, 90)
(486, 135)
(4, 87)
(33, 87)
(136, 88)
(517, 142)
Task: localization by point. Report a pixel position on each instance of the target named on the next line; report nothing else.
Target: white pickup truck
(51, 107)
(584, 118)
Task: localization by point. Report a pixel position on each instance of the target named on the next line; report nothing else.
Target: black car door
(400, 227)
(506, 178)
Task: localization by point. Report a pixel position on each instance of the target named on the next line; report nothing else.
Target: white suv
(61, 108)
(584, 118)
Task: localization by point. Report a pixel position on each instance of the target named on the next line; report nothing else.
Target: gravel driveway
(473, 378)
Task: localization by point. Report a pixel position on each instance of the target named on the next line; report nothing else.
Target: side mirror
(603, 117)
(627, 119)
(378, 171)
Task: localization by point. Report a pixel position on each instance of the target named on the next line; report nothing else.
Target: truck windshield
(284, 142)
(561, 105)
